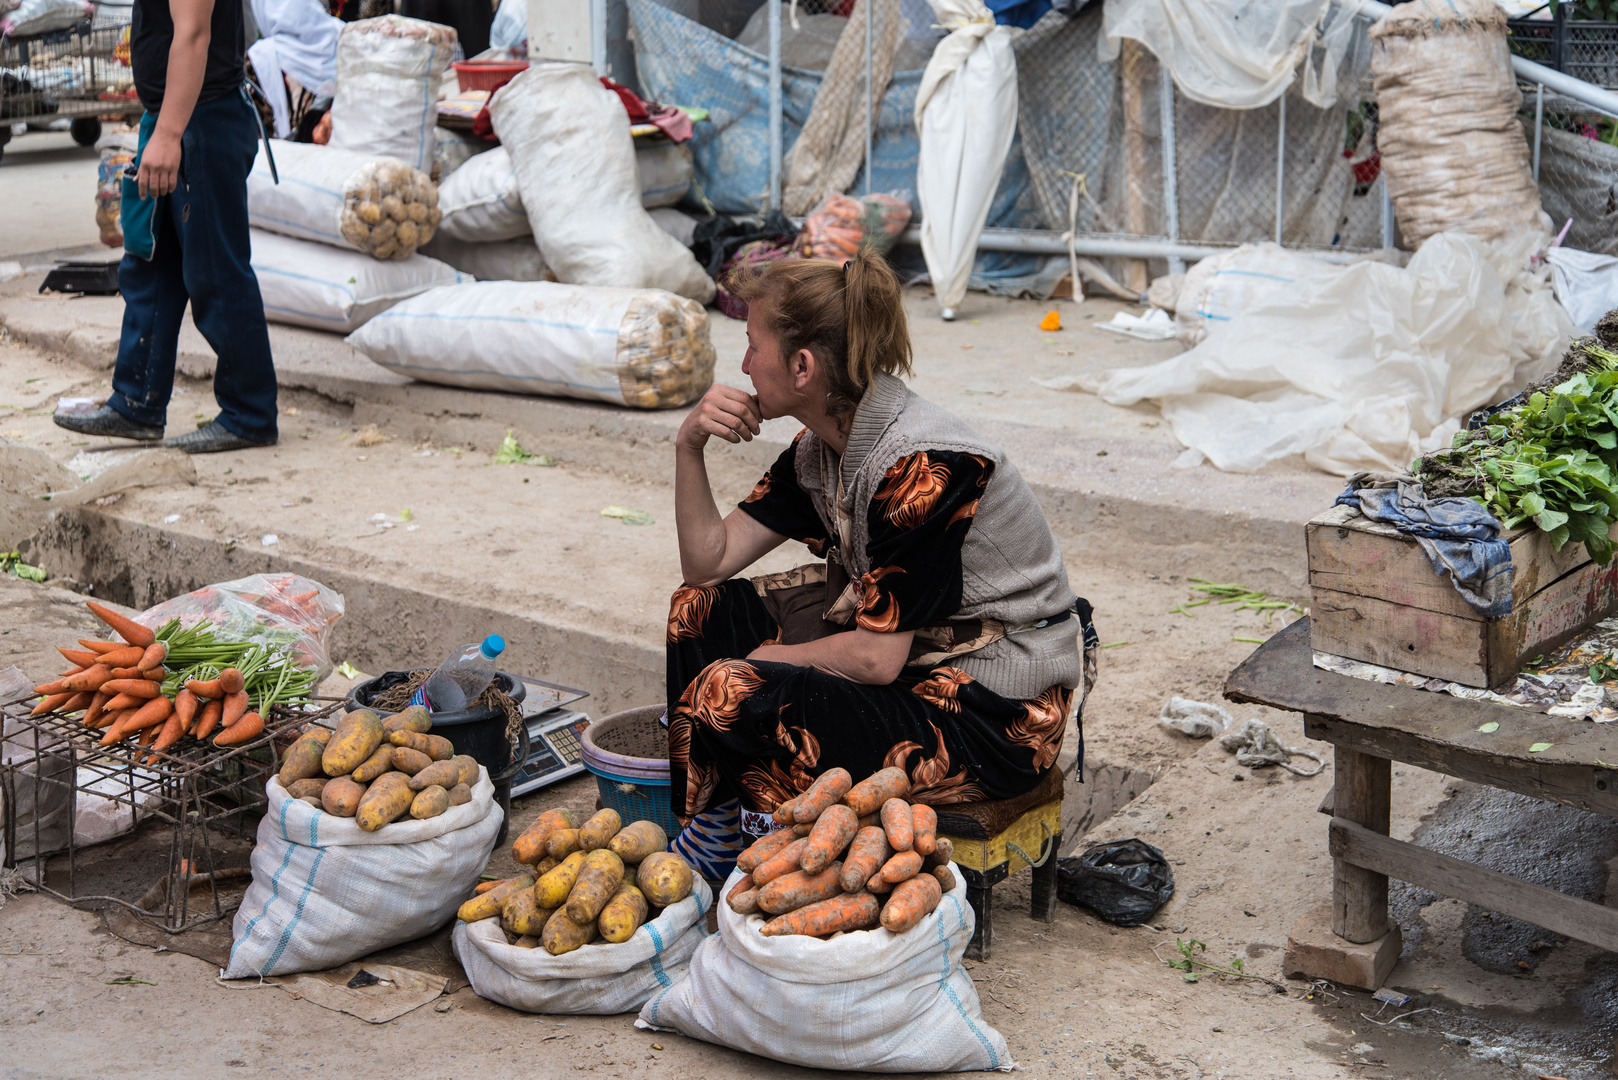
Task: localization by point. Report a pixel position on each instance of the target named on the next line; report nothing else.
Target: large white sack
(598, 980)
(480, 200)
(341, 198)
(867, 1000)
(502, 260)
(41, 17)
(663, 171)
(327, 288)
(1366, 367)
(641, 347)
(966, 114)
(1218, 289)
(326, 892)
(1586, 284)
(389, 71)
(569, 139)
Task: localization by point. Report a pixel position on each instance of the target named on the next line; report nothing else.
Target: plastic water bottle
(461, 680)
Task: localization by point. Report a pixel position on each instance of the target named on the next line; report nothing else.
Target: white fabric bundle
(328, 288)
(389, 72)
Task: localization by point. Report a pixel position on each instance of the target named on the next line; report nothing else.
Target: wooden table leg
(1042, 904)
(1362, 794)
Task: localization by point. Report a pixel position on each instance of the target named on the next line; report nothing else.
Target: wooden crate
(1376, 598)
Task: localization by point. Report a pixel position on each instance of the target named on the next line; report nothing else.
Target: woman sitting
(939, 636)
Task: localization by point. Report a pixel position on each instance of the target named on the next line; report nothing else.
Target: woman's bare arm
(714, 548)
(858, 655)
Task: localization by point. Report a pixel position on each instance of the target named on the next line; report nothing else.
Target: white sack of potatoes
(360, 201)
(575, 159)
(308, 284)
(501, 260)
(389, 71)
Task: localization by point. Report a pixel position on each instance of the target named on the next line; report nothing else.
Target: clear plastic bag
(276, 609)
(842, 224)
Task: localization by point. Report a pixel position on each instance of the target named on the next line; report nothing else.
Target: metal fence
(1135, 169)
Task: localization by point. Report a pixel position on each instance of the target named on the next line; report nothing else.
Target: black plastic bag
(1124, 882)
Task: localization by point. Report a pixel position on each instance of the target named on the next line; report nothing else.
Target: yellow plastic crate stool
(993, 840)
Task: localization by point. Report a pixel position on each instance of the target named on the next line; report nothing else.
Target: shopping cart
(79, 73)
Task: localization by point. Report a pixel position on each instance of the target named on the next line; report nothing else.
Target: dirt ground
(1075, 997)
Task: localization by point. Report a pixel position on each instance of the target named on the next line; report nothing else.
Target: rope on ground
(1255, 746)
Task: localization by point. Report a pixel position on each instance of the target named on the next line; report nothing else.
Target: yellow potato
(408, 761)
(599, 830)
(388, 796)
(553, 888)
(563, 935)
(562, 842)
(429, 803)
(664, 878)
(357, 736)
(341, 796)
(375, 765)
(638, 840)
(469, 769)
(489, 904)
(624, 914)
(599, 879)
(413, 718)
(459, 794)
(303, 789)
(446, 774)
(521, 913)
(302, 760)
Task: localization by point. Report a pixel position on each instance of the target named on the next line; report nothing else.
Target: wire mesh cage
(54, 765)
(1584, 48)
(76, 71)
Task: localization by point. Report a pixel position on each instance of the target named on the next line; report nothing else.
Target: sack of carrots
(841, 225)
(603, 917)
(329, 888)
(850, 909)
(157, 687)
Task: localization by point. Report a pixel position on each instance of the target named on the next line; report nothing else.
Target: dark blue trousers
(202, 257)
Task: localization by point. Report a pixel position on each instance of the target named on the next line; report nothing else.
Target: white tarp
(1237, 54)
(1586, 284)
(966, 115)
(1366, 367)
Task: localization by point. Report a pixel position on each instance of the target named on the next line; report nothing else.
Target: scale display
(554, 752)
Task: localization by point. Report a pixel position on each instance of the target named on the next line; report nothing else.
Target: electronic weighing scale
(554, 751)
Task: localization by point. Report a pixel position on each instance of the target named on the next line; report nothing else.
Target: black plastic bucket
(480, 732)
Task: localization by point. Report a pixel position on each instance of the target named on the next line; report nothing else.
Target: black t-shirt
(152, 34)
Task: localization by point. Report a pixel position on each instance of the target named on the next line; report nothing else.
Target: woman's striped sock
(712, 841)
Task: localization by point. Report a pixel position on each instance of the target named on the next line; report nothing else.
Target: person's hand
(159, 165)
(725, 411)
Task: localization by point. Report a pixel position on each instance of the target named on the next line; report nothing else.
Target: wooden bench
(1351, 941)
(993, 840)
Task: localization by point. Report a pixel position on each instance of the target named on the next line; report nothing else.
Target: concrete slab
(1314, 952)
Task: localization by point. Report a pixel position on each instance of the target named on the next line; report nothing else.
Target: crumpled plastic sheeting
(1256, 746)
(1194, 719)
(1364, 368)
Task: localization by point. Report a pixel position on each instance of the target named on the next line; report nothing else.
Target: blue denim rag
(137, 216)
(1459, 537)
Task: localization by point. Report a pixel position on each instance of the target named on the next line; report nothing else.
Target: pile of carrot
(119, 686)
(841, 225)
(847, 857)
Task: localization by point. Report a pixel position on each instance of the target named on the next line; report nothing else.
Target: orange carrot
(865, 857)
(131, 631)
(78, 656)
(828, 787)
(898, 823)
(156, 674)
(250, 726)
(867, 796)
(51, 702)
(88, 680)
(103, 646)
(209, 689)
(185, 708)
(115, 730)
(235, 707)
(78, 702)
(743, 896)
(832, 832)
(123, 656)
(109, 719)
(208, 719)
(173, 728)
(154, 655)
(97, 704)
(231, 681)
(912, 901)
(126, 701)
(49, 688)
(789, 892)
(851, 911)
(902, 867)
(783, 814)
(762, 849)
(151, 714)
(485, 886)
(141, 688)
(924, 822)
(782, 862)
(73, 671)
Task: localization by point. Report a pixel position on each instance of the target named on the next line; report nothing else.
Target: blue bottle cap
(492, 646)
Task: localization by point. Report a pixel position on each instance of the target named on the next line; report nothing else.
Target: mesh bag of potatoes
(645, 348)
(371, 204)
(362, 846)
(604, 918)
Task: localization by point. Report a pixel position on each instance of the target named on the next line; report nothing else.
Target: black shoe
(108, 421)
(211, 438)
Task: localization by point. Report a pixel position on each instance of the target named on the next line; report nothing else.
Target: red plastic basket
(486, 76)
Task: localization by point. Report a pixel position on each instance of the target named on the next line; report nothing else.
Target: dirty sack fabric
(589, 981)
(1366, 366)
(828, 155)
(891, 1002)
(326, 892)
(1256, 746)
(1459, 537)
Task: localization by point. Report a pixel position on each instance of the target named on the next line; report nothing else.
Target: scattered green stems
(1244, 598)
(271, 675)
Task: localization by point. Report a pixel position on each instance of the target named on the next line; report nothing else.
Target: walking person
(186, 237)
